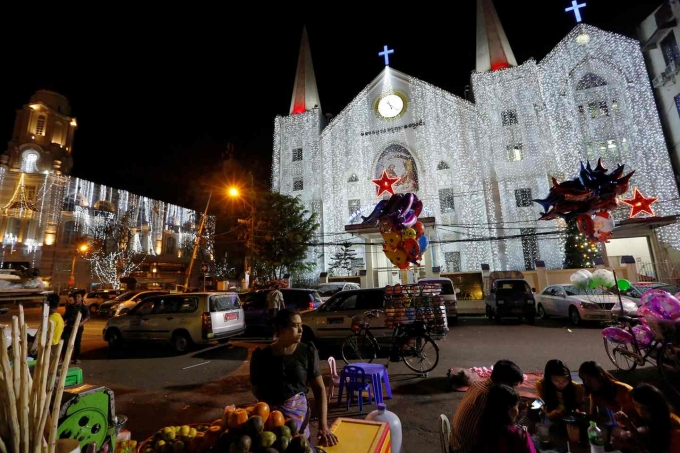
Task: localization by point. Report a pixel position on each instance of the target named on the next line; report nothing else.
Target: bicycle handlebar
(373, 313)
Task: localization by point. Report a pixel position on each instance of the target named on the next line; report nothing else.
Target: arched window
(40, 125)
(29, 160)
(170, 245)
(443, 166)
(13, 227)
(70, 233)
(70, 203)
(590, 80)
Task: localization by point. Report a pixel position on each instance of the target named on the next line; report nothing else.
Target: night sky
(160, 91)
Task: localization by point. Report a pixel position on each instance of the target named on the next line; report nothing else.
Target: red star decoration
(385, 183)
(639, 203)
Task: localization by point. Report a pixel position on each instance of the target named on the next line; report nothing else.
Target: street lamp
(72, 279)
(235, 192)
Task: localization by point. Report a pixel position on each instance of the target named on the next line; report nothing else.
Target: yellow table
(360, 436)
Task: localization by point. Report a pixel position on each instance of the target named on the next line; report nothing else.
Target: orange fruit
(211, 436)
(261, 409)
(275, 420)
(238, 418)
(225, 416)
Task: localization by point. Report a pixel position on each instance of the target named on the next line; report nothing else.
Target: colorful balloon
(423, 241)
(420, 228)
(417, 207)
(411, 248)
(408, 233)
(617, 335)
(396, 257)
(643, 335)
(375, 215)
(392, 240)
(404, 205)
(624, 285)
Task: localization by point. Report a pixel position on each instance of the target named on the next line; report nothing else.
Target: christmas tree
(579, 252)
(341, 262)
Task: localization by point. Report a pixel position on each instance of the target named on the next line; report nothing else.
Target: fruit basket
(240, 430)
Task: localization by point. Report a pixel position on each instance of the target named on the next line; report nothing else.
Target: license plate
(334, 320)
(517, 310)
(231, 316)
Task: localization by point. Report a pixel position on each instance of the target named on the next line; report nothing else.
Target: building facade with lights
(476, 166)
(660, 38)
(45, 213)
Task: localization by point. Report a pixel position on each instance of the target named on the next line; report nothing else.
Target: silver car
(179, 319)
(567, 301)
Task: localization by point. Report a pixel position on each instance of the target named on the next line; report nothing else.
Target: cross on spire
(386, 53)
(575, 7)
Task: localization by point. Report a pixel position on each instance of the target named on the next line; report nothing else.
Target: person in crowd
(561, 395)
(605, 392)
(658, 430)
(466, 420)
(275, 302)
(281, 373)
(74, 305)
(55, 317)
(498, 432)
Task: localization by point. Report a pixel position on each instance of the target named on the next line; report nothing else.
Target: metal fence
(660, 271)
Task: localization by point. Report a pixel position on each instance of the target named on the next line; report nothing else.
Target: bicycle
(633, 348)
(410, 343)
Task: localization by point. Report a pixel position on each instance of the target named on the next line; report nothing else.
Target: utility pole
(198, 241)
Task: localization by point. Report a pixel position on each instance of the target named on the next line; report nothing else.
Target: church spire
(305, 94)
(493, 48)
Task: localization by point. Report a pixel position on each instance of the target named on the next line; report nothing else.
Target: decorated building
(478, 165)
(46, 215)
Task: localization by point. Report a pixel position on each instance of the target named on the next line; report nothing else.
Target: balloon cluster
(657, 307)
(583, 280)
(593, 191)
(404, 235)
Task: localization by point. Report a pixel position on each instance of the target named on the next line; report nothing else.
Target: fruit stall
(258, 429)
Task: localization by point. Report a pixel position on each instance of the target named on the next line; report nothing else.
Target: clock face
(390, 106)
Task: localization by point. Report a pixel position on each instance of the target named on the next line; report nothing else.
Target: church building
(478, 165)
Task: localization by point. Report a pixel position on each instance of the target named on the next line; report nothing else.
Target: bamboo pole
(23, 414)
(40, 368)
(50, 389)
(47, 351)
(4, 418)
(60, 389)
(3, 448)
(9, 390)
(15, 353)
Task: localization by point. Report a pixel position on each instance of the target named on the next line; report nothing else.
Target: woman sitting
(561, 395)
(658, 430)
(498, 433)
(606, 393)
(281, 373)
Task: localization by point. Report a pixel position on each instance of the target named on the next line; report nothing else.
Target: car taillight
(206, 325)
(356, 328)
(311, 305)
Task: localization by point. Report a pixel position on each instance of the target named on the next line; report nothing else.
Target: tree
(579, 252)
(283, 232)
(341, 262)
(112, 253)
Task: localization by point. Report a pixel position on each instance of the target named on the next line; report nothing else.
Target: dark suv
(255, 304)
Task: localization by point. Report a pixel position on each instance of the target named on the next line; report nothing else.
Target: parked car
(567, 301)
(448, 294)
(333, 321)
(637, 289)
(510, 297)
(326, 290)
(122, 304)
(179, 319)
(255, 304)
(93, 300)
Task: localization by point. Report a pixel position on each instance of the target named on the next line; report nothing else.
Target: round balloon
(408, 233)
(617, 335)
(643, 335)
(604, 277)
(423, 241)
(412, 249)
(623, 284)
(647, 295)
(420, 229)
(392, 240)
(665, 305)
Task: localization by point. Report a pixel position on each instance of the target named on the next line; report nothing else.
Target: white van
(448, 294)
(179, 319)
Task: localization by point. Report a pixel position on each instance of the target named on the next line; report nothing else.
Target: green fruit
(283, 431)
(178, 447)
(292, 426)
(148, 450)
(298, 444)
(266, 439)
(254, 426)
(159, 446)
(192, 433)
(169, 433)
(185, 430)
(282, 444)
(202, 428)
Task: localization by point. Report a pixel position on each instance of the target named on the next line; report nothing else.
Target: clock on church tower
(391, 106)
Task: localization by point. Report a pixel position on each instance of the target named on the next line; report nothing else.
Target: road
(195, 387)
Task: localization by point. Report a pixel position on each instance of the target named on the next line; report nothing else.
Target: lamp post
(72, 278)
(235, 192)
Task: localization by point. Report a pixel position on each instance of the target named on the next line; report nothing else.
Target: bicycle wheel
(619, 355)
(668, 364)
(421, 354)
(358, 348)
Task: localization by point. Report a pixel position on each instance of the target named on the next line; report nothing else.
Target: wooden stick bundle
(25, 402)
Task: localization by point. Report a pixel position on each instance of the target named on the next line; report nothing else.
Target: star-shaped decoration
(385, 183)
(639, 203)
